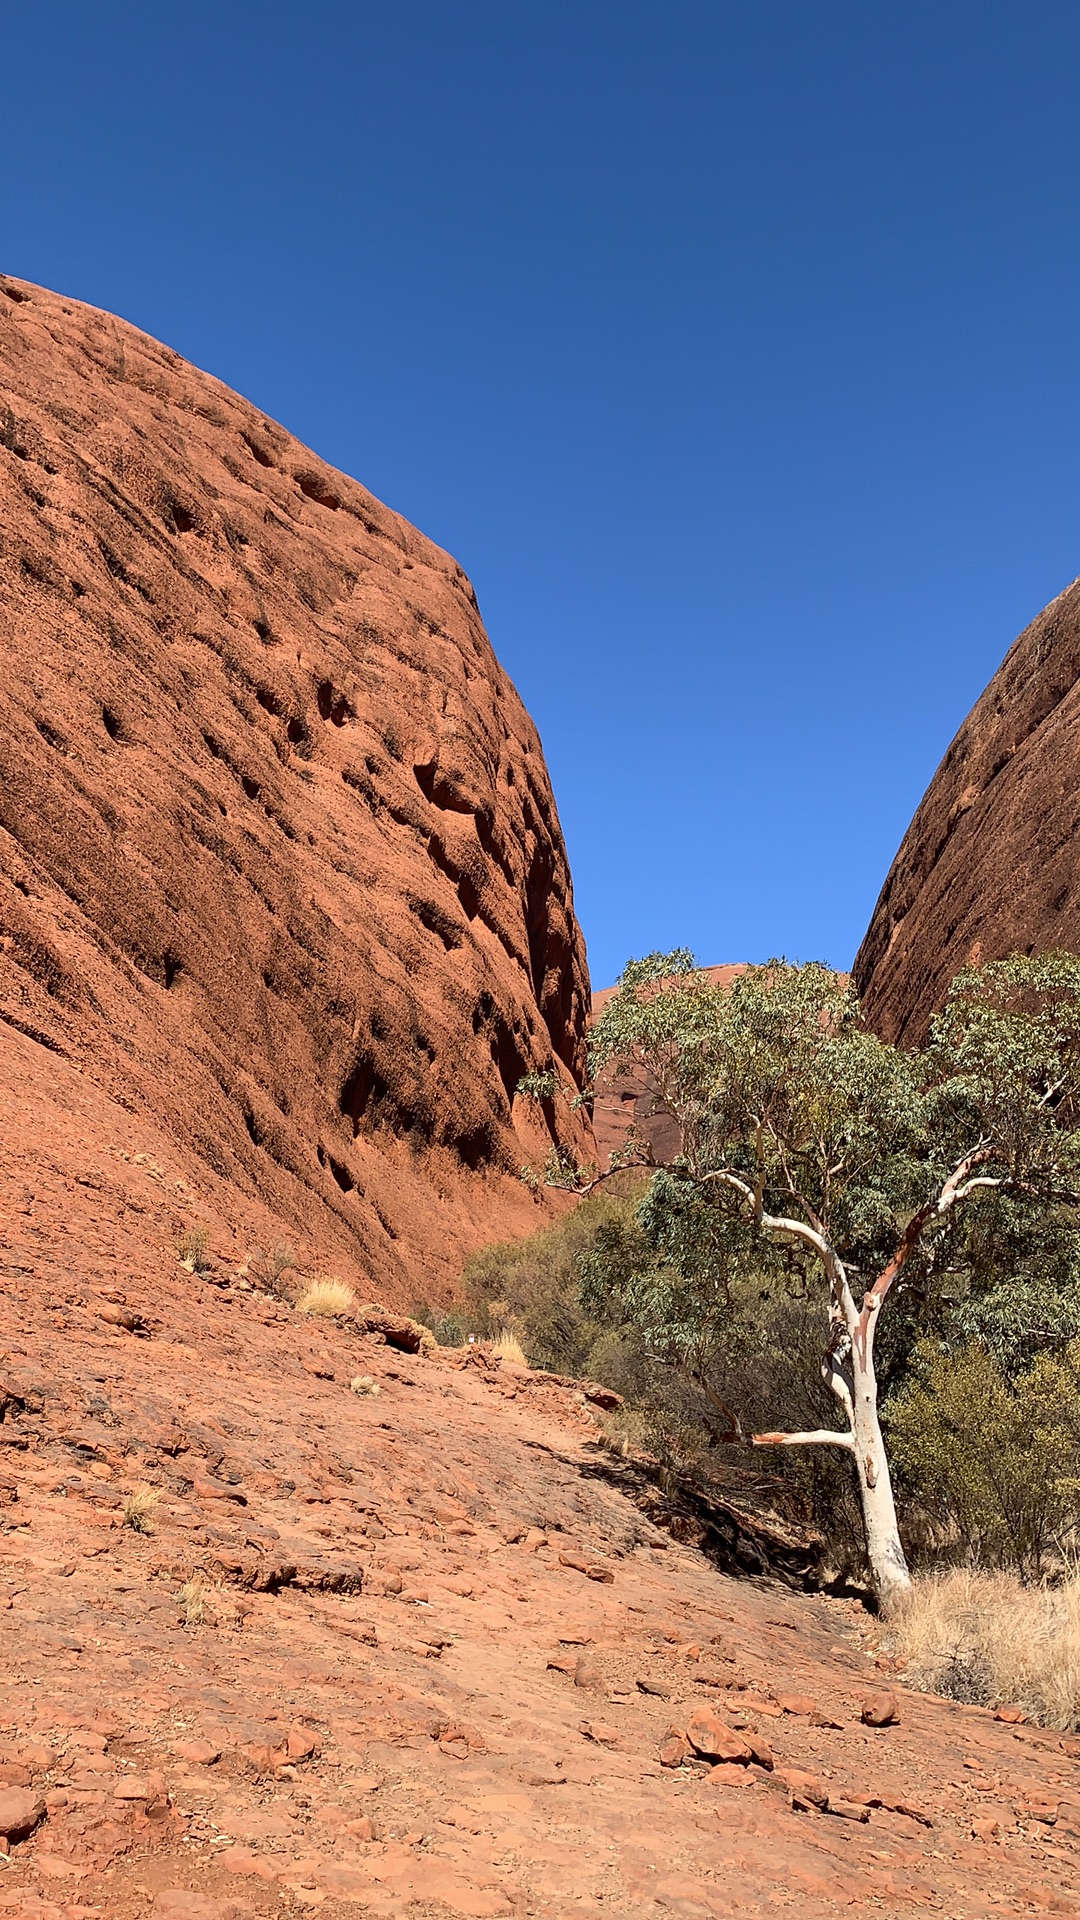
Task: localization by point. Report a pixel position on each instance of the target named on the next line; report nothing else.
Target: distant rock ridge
(991, 862)
(280, 862)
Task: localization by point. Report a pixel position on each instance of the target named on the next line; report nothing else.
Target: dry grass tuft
(365, 1384)
(330, 1299)
(192, 1597)
(984, 1638)
(625, 1432)
(193, 1249)
(509, 1347)
(138, 1507)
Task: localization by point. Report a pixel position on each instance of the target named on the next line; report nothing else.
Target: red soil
(431, 1648)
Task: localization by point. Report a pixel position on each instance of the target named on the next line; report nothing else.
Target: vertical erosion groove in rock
(989, 865)
(279, 859)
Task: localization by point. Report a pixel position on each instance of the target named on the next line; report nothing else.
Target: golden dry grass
(138, 1507)
(509, 1347)
(192, 1597)
(193, 1249)
(985, 1638)
(330, 1299)
(365, 1384)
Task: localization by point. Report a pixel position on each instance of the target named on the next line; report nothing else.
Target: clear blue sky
(734, 350)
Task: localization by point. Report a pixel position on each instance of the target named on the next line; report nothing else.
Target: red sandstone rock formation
(279, 860)
(989, 865)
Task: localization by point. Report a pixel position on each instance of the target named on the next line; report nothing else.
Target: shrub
(366, 1385)
(450, 1329)
(273, 1271)
(626, 1431)
(991, 1466)
(328, 1299)
(986, 1639)
(531, 1288)
(618, 1359)
(758, 1355)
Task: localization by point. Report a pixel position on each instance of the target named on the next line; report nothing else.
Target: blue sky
(733, 349)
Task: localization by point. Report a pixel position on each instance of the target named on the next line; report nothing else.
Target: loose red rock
(799, 1703)
(713, 1740)
(880, 1710)
(20, 1812)
(806, 1790)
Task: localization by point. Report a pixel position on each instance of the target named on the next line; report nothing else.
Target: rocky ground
(414, 1651)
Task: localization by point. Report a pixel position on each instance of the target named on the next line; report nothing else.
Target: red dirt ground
(456, 1701)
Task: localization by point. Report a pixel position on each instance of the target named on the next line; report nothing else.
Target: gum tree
(810, 1143)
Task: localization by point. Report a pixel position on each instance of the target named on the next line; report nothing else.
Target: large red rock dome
(991, 862)
(279, 859)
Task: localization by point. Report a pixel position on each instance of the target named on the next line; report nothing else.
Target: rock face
(991, 862)
(279, 860)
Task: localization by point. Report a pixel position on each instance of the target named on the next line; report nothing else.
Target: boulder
(714, 1741)
(21, 1810)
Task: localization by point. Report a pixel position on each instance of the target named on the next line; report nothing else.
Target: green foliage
(790, 1108)
(774, 1079)
(991, 1465)
(1004, 1065)
(451, 1329)
(960, 1164)
(531, 1288)
(745, 1342)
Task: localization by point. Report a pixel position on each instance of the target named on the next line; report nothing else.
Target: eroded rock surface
(279, 859)
(989, 865)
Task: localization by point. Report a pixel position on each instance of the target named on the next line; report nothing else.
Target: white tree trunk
(888, 1567)
(848, 1365)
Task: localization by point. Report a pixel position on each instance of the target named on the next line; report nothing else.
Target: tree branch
(581, 1188)
(983, 1180)
(834, 1374)
(813, 1237)
(956, 1187)
(733, 1434)
(825, 1437)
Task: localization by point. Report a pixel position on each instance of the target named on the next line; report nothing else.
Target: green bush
(451, 1329)
(532, 1288)
(989, 1468)
(574, 1294)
